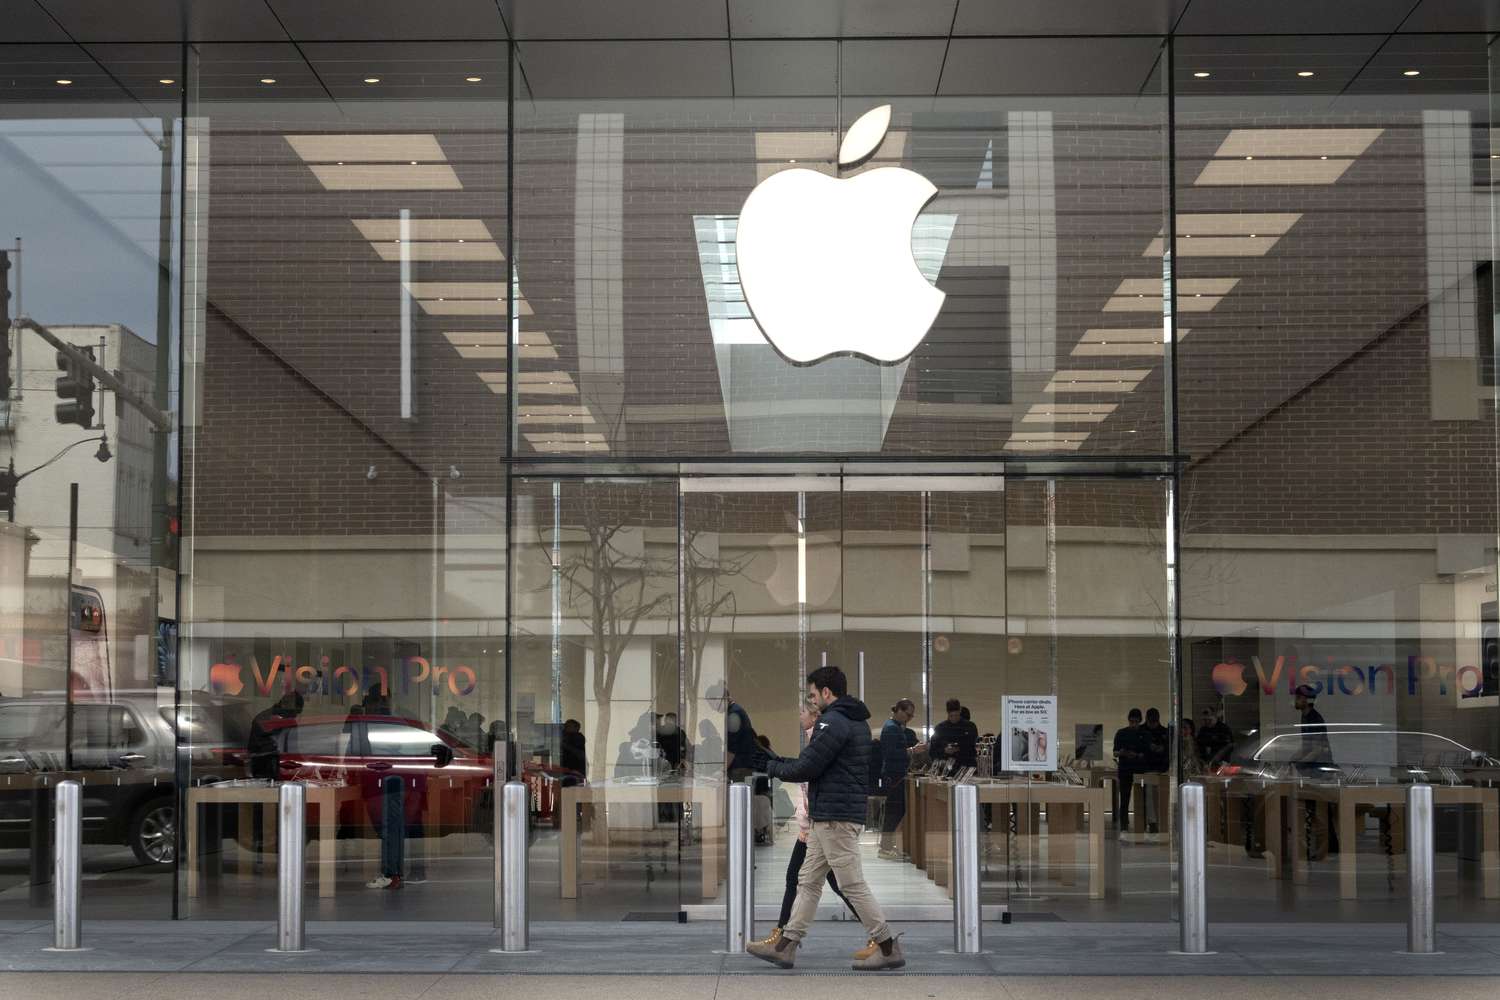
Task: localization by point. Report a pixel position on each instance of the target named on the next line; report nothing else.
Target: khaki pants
(834, 846)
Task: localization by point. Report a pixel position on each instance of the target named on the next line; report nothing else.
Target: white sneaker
(383, 882)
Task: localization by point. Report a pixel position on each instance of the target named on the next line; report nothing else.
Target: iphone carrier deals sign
(1028, 733)
(826, 263)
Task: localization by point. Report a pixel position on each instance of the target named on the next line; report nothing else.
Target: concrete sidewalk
(409, 986)
(1344, 951)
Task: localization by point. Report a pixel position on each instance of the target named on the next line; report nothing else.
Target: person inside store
(740, 746)
(672, 740)
(1132, 748)
(954, 740)
(1158, 761)
(1314, 759)
(836, 766)
(1187, 749)
(262, 748)
(573, 753)
(1214, 738)
(896, 743)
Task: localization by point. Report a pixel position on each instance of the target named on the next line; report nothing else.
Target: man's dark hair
(1151, 714)
(572, 726)
(904, 705)
(953, 705)
(829, 677)
(964, 713)
(1134, 713)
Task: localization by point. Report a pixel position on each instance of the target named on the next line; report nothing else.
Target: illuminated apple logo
(826, 264)
(1229, 678)
(224, 678)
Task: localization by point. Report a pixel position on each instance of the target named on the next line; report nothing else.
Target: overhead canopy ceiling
(528, 20)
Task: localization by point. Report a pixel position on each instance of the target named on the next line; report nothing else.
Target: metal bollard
(515, 816)
(497, 828)
(968, 937)
(291, 870)
(1192, 861)
(67, 868)
(1421, 921)
(739, 895)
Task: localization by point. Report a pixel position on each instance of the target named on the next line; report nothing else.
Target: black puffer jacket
(835, 764)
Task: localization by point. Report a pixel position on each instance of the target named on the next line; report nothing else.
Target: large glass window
(345, 488)
(1338, 504)
(90, 146)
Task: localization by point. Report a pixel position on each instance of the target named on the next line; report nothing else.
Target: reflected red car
(363, 751)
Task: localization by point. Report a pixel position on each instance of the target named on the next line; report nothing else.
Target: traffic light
(8, 480)
(77, 387)
(5, 382)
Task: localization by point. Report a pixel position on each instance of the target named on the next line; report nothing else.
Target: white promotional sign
(826, 263)
(1028, 733)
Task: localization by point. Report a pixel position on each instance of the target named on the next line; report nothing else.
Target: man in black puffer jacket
(836, 767)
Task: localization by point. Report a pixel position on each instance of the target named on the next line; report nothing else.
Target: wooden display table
(709, 811)
(325, 797)
(1065, 805)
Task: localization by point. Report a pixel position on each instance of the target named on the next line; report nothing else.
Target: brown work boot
(869, 949)
(887, 955)
(770, 939)
(781, 953)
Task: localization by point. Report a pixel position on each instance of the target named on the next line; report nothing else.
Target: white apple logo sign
(826, 264)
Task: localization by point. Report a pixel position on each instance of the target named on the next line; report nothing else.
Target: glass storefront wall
(441, 368)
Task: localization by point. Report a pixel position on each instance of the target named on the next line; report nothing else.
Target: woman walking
(808, 718)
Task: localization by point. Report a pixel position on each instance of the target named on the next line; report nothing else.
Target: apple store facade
(535, 381)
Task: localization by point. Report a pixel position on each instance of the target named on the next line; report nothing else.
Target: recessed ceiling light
(64, 83)
(166, 79)
(372, 79)
(1412, 72)
(1249, 157)
(473, 79)
(1304, 72)
(1201, 74)
(268, 79)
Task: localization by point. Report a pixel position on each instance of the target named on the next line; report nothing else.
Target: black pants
(793, 870)
(895, 807)
(1126, 782)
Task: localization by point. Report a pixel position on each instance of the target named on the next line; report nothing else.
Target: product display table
(709, 811)
(325, 798)
(1065, 805)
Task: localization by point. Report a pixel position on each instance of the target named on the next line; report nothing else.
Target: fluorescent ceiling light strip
(386, 177)
(1185, 286)
(1272, 173)
(492, 290)
(368, 148)
(378, 230)
(492, 338)
(441, 251)
(1310, 142)
(1215, 246)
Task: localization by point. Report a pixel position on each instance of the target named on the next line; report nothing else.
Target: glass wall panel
(1338, 506)
(344, 471)
(596, 680)
(1043, 165)
(90, 142)
(1085, 831)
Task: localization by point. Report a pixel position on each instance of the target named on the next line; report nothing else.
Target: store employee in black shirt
(954, 739)
(1132, 750)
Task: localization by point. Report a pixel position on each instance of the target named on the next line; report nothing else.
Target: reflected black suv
(123, 754)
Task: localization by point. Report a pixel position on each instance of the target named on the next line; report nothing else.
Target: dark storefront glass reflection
(1338, 546)
(345, 605)
(88, 152)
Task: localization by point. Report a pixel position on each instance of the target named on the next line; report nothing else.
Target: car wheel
(153, 833)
